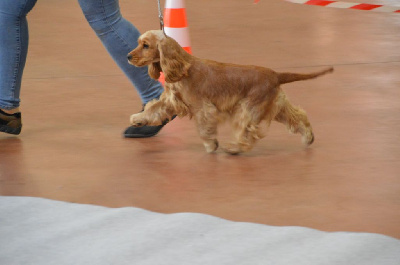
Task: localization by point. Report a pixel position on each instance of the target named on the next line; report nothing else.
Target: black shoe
(145, 131)
(10, 123)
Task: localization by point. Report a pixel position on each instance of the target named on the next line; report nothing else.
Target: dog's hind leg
(207, 122)
(295, 119)
(246, 122)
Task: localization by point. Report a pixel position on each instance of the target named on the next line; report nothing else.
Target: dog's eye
(145, 46)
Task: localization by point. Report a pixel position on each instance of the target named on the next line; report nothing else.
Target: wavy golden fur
(210, 91)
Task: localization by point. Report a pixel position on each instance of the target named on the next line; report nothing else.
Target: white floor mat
(36, 231)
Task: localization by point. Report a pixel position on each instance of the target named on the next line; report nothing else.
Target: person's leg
(119, 37)
(13, 51)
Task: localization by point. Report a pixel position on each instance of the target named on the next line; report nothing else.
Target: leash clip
(160, 16)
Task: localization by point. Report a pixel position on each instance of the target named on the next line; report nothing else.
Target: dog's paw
(308, 138)
(137, 121)
(232, 149)
(211, 146)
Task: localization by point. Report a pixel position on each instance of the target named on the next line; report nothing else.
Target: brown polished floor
(76, 103)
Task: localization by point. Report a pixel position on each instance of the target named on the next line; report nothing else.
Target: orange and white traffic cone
(176, 26)
(175, 23)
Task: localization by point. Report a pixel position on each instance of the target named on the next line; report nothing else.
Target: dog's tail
(293, 77)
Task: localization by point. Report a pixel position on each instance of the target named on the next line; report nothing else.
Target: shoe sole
(7, 129)
(139, 135)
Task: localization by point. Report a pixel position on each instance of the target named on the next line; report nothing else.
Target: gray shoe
(144, 131)
(10, 123)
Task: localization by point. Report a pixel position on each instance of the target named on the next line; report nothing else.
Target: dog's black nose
(129, 57)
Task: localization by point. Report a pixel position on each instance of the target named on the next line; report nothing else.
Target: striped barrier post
(348, 5)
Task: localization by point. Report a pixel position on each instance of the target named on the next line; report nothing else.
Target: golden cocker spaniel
(210, 92)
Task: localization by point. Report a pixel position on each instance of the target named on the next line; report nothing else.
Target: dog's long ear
(154, 70)
(174, 60)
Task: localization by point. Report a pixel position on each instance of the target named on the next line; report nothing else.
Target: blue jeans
(117, 35)
(13, 49)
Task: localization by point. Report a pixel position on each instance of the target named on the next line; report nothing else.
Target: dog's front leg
(156, 112)
(207, 122)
